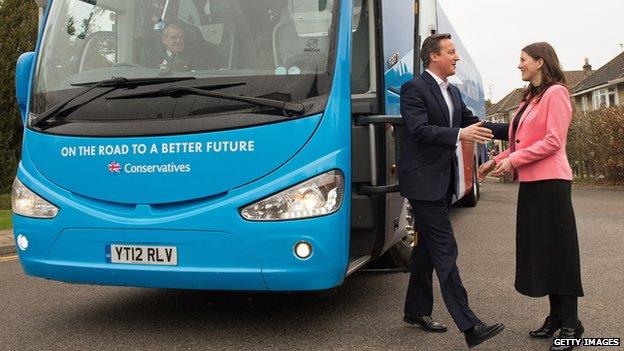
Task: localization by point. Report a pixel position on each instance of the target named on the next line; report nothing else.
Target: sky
(495, 31)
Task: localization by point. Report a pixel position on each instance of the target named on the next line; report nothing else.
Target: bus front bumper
(206, 260)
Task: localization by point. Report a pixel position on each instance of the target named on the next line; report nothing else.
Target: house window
(605, 98)
(613, 97)
(599, 99)
(584, 104)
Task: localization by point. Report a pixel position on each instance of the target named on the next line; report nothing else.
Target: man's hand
(485, 169)
(476, 133)
(502, 167)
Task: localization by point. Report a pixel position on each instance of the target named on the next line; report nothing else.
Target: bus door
(398, 65)
(367, 210)
(381, 63)
(398, 20)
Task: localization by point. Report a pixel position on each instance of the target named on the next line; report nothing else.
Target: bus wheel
(471, 199)
(401, 252)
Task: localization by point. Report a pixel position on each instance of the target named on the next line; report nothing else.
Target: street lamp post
(416, 68)
(42, 5)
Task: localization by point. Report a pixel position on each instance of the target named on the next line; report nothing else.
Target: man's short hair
(432, 45)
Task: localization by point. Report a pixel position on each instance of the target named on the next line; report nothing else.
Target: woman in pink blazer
(547, 251)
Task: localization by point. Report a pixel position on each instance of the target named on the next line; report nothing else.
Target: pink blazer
(540, 140)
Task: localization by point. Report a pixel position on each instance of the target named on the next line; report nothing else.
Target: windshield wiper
(295, 107)
(114, 83)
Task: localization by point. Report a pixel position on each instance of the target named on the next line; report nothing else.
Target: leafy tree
(18, 34)
(71, 26)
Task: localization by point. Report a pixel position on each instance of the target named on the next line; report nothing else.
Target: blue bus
(219, 144)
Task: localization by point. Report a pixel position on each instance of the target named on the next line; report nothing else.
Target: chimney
(587, 68)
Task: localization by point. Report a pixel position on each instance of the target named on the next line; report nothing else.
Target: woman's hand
(485, 169)
(502, 167)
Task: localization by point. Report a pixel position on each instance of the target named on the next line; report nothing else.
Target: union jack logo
(114, 167)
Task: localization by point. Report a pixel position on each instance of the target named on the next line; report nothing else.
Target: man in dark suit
(436, 121)
(176, 55)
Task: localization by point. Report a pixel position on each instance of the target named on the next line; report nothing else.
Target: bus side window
(360, 54)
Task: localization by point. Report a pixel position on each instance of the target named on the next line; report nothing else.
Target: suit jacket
(428, 153)
(540, 141)
(186, 61)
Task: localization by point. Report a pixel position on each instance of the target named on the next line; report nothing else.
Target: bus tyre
(471, 199)
(401, 252)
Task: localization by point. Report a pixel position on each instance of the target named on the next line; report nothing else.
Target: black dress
(547, 250)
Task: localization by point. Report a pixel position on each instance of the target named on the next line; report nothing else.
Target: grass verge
(5, 219)
(5, 201)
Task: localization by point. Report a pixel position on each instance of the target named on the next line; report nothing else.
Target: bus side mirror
(22, 79)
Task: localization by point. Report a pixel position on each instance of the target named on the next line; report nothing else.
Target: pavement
(7, 243)
(365, 314)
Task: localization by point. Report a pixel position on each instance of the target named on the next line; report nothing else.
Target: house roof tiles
(509, 102)
(612, 70)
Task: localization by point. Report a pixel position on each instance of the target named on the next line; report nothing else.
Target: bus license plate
(131, 254)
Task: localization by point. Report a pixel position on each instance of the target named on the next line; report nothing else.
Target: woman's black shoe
(568, 333)
(549, 328)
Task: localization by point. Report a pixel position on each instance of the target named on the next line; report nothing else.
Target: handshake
(476, 133)
(479, 134)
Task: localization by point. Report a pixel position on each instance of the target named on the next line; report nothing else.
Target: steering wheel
(128, 64)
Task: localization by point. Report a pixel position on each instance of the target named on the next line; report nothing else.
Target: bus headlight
(315, 197)
(28, 204)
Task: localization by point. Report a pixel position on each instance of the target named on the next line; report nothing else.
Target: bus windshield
(280, 49)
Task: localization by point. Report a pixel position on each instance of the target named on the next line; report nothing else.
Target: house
(603, 88)
(502, 111)
(573, 78)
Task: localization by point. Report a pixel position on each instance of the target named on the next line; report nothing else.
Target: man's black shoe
(568, 333)
(549, 328)
(426, 323)
(481, 332)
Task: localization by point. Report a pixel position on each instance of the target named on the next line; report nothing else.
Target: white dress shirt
(444, 88)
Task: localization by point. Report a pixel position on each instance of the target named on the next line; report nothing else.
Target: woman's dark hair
(552, 73)
(431, 45)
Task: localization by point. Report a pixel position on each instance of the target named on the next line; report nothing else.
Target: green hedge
(5, 201)
(18, 34)
(596, 145)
